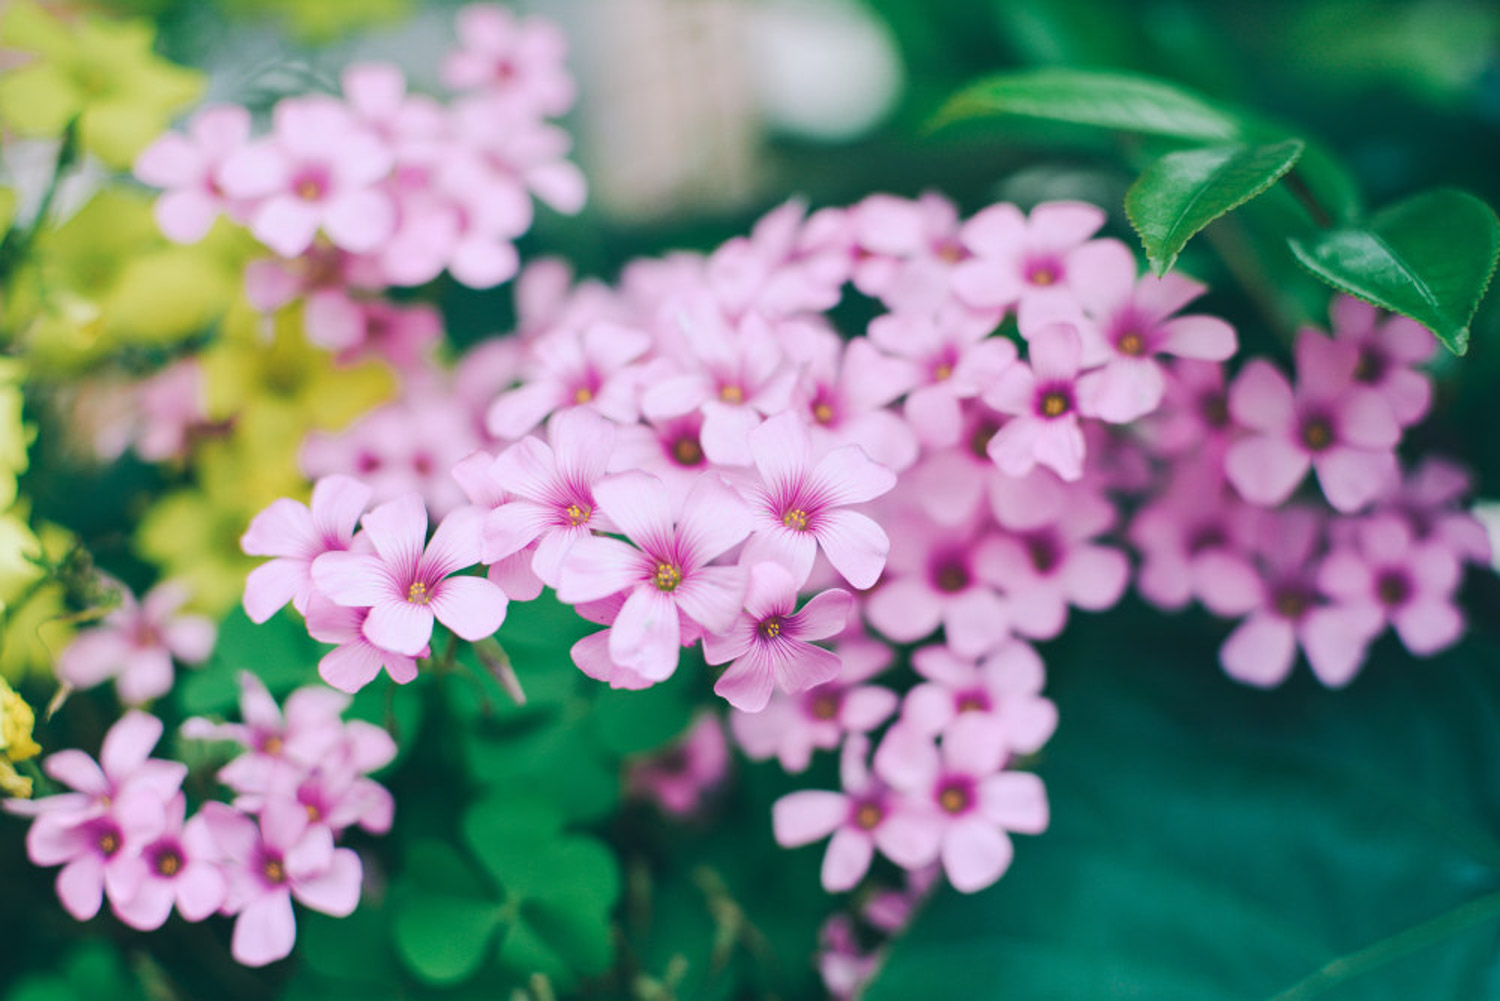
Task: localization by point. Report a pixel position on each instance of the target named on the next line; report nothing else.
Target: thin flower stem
(1387, 950)
(1297, 187)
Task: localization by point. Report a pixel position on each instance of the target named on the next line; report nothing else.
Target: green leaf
(1119, 101)
(443, 938)
(1180, 194)
(629, 722)
(1429, 257)
(279, 652)
(1211, 842)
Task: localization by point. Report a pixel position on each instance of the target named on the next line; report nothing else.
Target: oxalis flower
(668, 577)
(406, 586)
(768, 643)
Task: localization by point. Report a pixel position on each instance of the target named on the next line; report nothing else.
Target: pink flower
(475, 475)
(787, 265)
(569, 368)
(135, 644)
(318, 170)
(670, 449)
(867, 815)
(1006, 687)
(553, 501)
(768, 643)
(1430, 498)
(845, 393)
(295, 535)
(187, 167)
(1388, 349)
(680, 778)
(1407, 582)
(406, 586)
(125, 766)
(1131, 322)
(269, 863)
(310, 730)
(971, 801)
(953, 358)
(1039, 264)
(356, 661)
(518, 61)
(843, 965)
(177, 868)
(668, 577)
(1195, 539)
(173, 408)
(950, 484)
(791, 727)
(1344, 431)
(799, 506)
(1286, 608)
(906, 250)
(1046, 398)
(1194, 415)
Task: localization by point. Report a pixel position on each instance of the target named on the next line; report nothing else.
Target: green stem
(1297, 187)
(1390, 949)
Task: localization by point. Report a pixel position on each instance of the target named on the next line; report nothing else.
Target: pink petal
(402, 626)
(335, 891)
(265, 930)
(454, 546)
(1427, 626)
(354, 580)
(337, 503)
(1336, 639)
(597, 568)
(285, 224)
(855, 545)
(360, 220)
(1261, 398)
(200, 890)
(470, 606)
(975, 855)
(1352, 477)
(748, 682)
(848, 476)
(1204, 337)
(847, 859)
(80, 886)
(646, 634)
(186, 215)
(128, 744)
(638, 504)
(712, 596)
(714, 519)
(1260, 651)
(800, 818)
(905, 610)
(398, 528)
(781, 451)
(1265, 469)
(1016, 801)
(1096, 576)
(351, 666)
(825, 614)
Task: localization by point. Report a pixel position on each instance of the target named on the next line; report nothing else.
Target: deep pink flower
(680, 778)
(284, 856)
(407, 586)
(1407, 582)
(799, 505)
(178, 868)
(1431, 499)
(768, 643)
(1388, 348)
(1195, 539)
(1194, 414)
(296, 534)
(1046, 399)
(1006, 686)
(953, 358)
(356, 662)
(972, 802)
(791, 727)
(318, 170)
(1342, 429)
(1039, 264)
(668, 577)
(571, 368)
(865, 816)
(950, 484)
(552, 500)
(136, 643)
(187, 167)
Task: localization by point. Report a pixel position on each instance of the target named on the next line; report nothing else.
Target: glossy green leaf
(629, 722)
(278, 651)
(1181, 193)
(442, 938)
(1211, 842)
(1429, 257)
(1119, 101)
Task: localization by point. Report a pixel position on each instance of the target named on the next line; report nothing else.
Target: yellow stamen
(1054, 405)
(417, 593)
(823, 413)
(795, 519)
(579, 514)
(667, 577)
(732, 394)
(582, 394)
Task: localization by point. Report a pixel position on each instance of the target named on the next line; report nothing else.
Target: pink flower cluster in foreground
(123, 833)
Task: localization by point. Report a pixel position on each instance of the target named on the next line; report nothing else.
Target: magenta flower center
(667, 577)
(1214, 408)
(950, 575)
(108, 841)
(1042, 549)
(1043, 273)
(731, 393)
(795, 519)
(823, 705)
(578, 514)
(1292, 601)
(1371, 366)
(418, 594)
(1317, 433)
(979, 441)
(1131, 343)
(274, 871)
(583, 394)
(1054, 402)
(168, 862)
(974, 701)
(867, 815)
(770, 628)
(1206, 536)
(311, 184)
(823, 412)
(1393, 588)
(955, 795)
(687, 452)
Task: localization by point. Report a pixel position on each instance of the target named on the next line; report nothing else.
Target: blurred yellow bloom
(15, 435)
(35, 633)
(20, 556)
(107, 278)
(16, 743)
(99, 70)
(194, 535)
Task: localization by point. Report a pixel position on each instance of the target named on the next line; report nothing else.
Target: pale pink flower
(1287, 608)
(1046, 397)
(93, 853)
(504, 154)
(136, 643)
(791, 727)
(475, 474)
(1408, 582)
(551, 486)
(1194, 414)
(906, 250)
(670, 449)
(1006, 687)
(520, 61)
(950, 484)
(187, 167)
(569, 368)
(319, 169)
(1343, 430)
(406, 585)
(172, 410)
(356, 662)
(295, 535)
(786, 265)
(1039, 264)
(800, 506)
(669, 577)
(125, 765)
(285, 855)
(865, 816)
(844, 966)
(845, 394)
(680, 778)
(952, 357)
(1194, 538)
(179, 868)
(972, 802)
(1389, 347)
(768, 644)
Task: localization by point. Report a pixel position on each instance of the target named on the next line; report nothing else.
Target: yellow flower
(194, 535)
(20, 556)
(16, 743)
(107, 278)
(35, 633)
(99, 70)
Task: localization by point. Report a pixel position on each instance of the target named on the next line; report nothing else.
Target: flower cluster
(123, 832)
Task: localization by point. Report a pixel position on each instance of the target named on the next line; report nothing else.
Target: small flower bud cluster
(123, 833)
